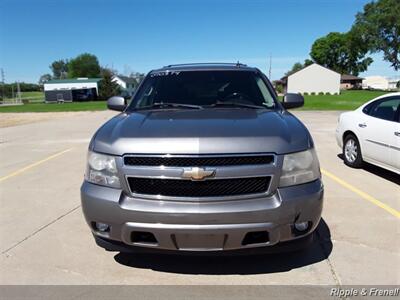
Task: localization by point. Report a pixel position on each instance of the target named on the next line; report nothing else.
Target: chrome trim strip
(378, 143)
(206, 179)
(177, 172)
(201, 156)
(384, 145)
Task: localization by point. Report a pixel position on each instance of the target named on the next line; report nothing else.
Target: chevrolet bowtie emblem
(198, 173)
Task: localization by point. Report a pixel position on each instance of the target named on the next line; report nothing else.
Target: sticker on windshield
(164, 73)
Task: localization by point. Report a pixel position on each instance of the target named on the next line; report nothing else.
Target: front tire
(351, 151)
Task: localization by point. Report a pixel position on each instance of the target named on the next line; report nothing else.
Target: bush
(321, 93)
(305, 94)
(279, 88)
(327, 93)
(312, 94)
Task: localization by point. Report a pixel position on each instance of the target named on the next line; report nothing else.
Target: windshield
(204, 89)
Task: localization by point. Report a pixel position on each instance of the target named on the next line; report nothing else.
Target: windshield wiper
(237, 104)
(169, 105)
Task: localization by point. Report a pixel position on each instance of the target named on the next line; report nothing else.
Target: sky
(143, 35)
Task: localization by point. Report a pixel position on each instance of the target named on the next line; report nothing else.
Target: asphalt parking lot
(45, 240)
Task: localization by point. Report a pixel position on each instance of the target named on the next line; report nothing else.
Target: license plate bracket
(200, 242)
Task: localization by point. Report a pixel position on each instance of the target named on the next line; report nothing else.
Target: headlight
(102, 169)
(300, 167)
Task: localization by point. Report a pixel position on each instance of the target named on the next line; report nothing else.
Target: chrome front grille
(232, 176)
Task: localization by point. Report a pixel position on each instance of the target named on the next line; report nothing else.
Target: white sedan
(371, 133)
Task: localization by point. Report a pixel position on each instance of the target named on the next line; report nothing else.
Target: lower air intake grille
(206, 188)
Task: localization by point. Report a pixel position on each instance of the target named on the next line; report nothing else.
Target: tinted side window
(385, 109)
(367, 109)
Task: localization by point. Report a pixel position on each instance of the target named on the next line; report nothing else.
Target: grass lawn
(33, 96)
(53, 107)
(347, 100)
(30, 96)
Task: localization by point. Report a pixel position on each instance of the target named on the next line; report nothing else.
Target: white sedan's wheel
(352, 151)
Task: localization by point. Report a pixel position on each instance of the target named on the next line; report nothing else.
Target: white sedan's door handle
(397, 133)
(362, 125)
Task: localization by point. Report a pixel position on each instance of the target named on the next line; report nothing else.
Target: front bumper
(202, 226)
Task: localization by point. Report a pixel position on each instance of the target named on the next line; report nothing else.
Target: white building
(127, 84)
(313, 79)
(67, 90)
(380, 83)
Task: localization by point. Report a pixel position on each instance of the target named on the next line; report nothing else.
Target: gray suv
(203, 158)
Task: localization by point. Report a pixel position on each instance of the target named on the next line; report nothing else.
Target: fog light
(301, 226)
(102, 227)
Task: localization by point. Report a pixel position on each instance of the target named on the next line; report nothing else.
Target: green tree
(307, 62)
(84, 65)
(44, 78)
(278, 86)
(341, 52)
(107, 87)
(378, 26)
(296, 67)
(59, 69)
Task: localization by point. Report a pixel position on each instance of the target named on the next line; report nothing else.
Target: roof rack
(238, 64)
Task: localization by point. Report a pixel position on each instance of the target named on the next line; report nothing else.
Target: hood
(205, 131)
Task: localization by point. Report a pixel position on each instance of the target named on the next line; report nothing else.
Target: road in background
(45, 240)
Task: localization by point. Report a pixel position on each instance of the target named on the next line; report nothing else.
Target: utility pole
(270, 65)
(19, 99)
(2, 84)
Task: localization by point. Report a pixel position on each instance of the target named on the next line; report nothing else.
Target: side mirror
(116, 103)
(292, 100)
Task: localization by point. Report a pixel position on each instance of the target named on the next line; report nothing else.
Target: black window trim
(367, 109)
